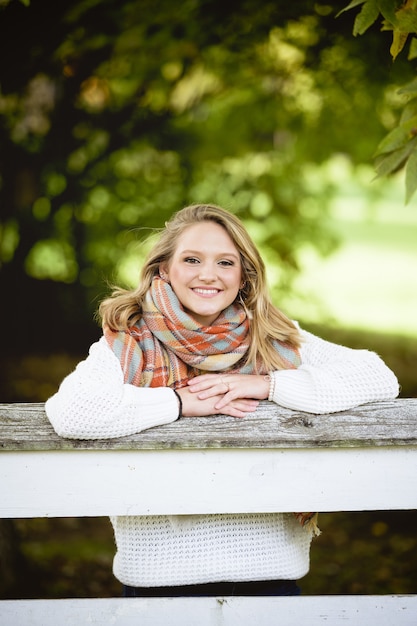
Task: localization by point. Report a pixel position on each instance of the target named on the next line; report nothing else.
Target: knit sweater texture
(93, 402)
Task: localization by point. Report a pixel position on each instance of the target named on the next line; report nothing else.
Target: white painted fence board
(229, 611)
(144, 482)
(273, 460)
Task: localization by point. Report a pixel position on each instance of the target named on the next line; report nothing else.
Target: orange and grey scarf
(167, 346)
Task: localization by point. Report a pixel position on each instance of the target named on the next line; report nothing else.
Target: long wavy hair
(267, 323)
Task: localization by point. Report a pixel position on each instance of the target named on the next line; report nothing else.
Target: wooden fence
(357, 460)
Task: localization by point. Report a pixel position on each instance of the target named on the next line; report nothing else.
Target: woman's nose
(207, 272)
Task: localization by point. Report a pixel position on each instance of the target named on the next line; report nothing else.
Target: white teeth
(206, 291)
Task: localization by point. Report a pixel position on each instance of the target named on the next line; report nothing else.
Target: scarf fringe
(309, 522)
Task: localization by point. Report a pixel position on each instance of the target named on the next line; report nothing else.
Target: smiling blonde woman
(201, 336)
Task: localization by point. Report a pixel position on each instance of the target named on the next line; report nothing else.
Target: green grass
(370, 281)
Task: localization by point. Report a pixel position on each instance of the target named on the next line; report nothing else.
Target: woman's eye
(191, 260)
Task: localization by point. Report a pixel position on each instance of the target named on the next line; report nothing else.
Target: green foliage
(399, 148)
(125, 112)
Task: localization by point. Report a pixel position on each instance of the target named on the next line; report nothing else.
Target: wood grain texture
(26, 427)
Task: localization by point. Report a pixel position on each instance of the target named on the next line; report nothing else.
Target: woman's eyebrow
(197, 252)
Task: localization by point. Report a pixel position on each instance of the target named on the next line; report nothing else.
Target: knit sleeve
(333, 378)
(93, 402)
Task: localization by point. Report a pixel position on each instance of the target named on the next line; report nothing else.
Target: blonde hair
(124, 308)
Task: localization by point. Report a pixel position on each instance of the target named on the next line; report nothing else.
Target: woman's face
(205, 271)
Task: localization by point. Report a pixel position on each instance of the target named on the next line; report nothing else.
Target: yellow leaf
(398, 42)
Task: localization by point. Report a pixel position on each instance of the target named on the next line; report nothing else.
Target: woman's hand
(214, 403)
(228, 388)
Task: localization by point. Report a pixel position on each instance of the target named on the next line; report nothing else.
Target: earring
(164, 276)
(242, 294)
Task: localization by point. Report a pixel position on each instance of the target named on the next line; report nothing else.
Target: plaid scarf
(167, 346)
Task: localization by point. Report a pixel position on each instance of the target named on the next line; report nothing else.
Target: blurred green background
(114, 114)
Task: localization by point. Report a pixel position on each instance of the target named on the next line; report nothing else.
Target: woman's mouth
(202, 291)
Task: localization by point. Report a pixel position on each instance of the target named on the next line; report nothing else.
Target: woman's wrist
(179, 403)
(271, 381)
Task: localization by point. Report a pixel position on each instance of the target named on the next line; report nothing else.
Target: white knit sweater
(93, 402)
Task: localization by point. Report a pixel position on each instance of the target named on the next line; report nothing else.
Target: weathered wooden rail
(362, 459)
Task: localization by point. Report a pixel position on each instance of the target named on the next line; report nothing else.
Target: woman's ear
(163, 272)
